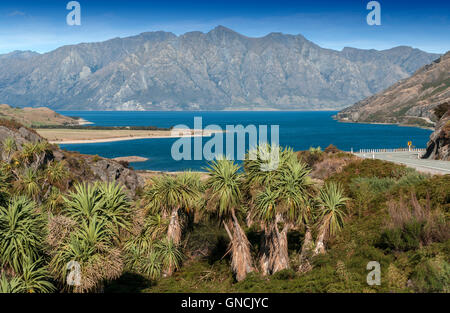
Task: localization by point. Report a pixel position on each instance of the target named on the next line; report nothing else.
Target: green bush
(432, 275)
(402, 239)
(284, 274)
(371, 169)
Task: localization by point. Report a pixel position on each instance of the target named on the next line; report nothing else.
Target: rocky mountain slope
(410, 101)
(220, 69)
(438, 147)
(82, 167)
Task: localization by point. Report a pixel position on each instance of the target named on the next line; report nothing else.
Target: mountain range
(218, 70)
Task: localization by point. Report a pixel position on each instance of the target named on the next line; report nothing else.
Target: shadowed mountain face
(217, 70)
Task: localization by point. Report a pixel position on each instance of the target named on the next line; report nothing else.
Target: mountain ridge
(215, 70)
(410, 101)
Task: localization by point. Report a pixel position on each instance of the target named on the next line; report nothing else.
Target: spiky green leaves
(34, 278)
(223, 187)
(283, 191)
(106, 201)
(331, 207)
(21, 232)
(166, 193)
(149, 252)
(91, 246)
(93, 217)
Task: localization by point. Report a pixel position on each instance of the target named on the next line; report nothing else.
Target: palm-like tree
(331, 206)
(9, 146)
(281, 206)
(264, 210)
(83, 203)
(169, 195)
(151, 265)
(151, 257)
(91, 246)
(55, 175)
(55, 201)
(169, 254)
(29, 184)
(294, 185)
(21, 233)
(256, 176)
(34, 278)
(12, 285)
(5, 182)
(116, 207)
(106, 201)
(148, 264)
(27, 153)
(33, 154)
(141, 253)
(97, 213)
(224, 198)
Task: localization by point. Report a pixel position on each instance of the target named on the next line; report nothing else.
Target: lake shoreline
(75, 136)
(382, 123)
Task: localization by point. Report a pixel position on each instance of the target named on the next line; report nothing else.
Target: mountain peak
(19, 54)
(224, 30)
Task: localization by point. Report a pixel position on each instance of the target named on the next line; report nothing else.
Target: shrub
(371, 168)
(432, 275)
(396, 279)
(285, 274)
(311, 157)
(96, 158)
(436, 189)
(331, 149)
(402, 239)
(411, 225)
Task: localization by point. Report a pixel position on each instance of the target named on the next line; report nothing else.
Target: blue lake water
(299, 130)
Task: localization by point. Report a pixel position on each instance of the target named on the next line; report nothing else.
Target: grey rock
(102, 169)
(438, 148)
(109, 170)
(21, 136)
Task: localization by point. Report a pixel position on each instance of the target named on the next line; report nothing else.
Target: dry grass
(59, 228)
(150, 174)
(330, 165)
(403, 212)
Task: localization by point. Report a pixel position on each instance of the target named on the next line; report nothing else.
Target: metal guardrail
(391, 150)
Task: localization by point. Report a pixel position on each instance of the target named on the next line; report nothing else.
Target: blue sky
(40, 25)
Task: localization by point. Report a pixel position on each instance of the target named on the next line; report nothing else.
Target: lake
(297, 129)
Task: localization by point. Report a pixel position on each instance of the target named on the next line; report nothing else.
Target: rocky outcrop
(410, 102)
(21, 134)
(109, 170)
(220, 69)
(438, 147)
(82, 167)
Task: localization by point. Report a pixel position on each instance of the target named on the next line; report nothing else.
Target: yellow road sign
(410, 143)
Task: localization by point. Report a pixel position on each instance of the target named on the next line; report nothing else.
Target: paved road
(410, 159)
